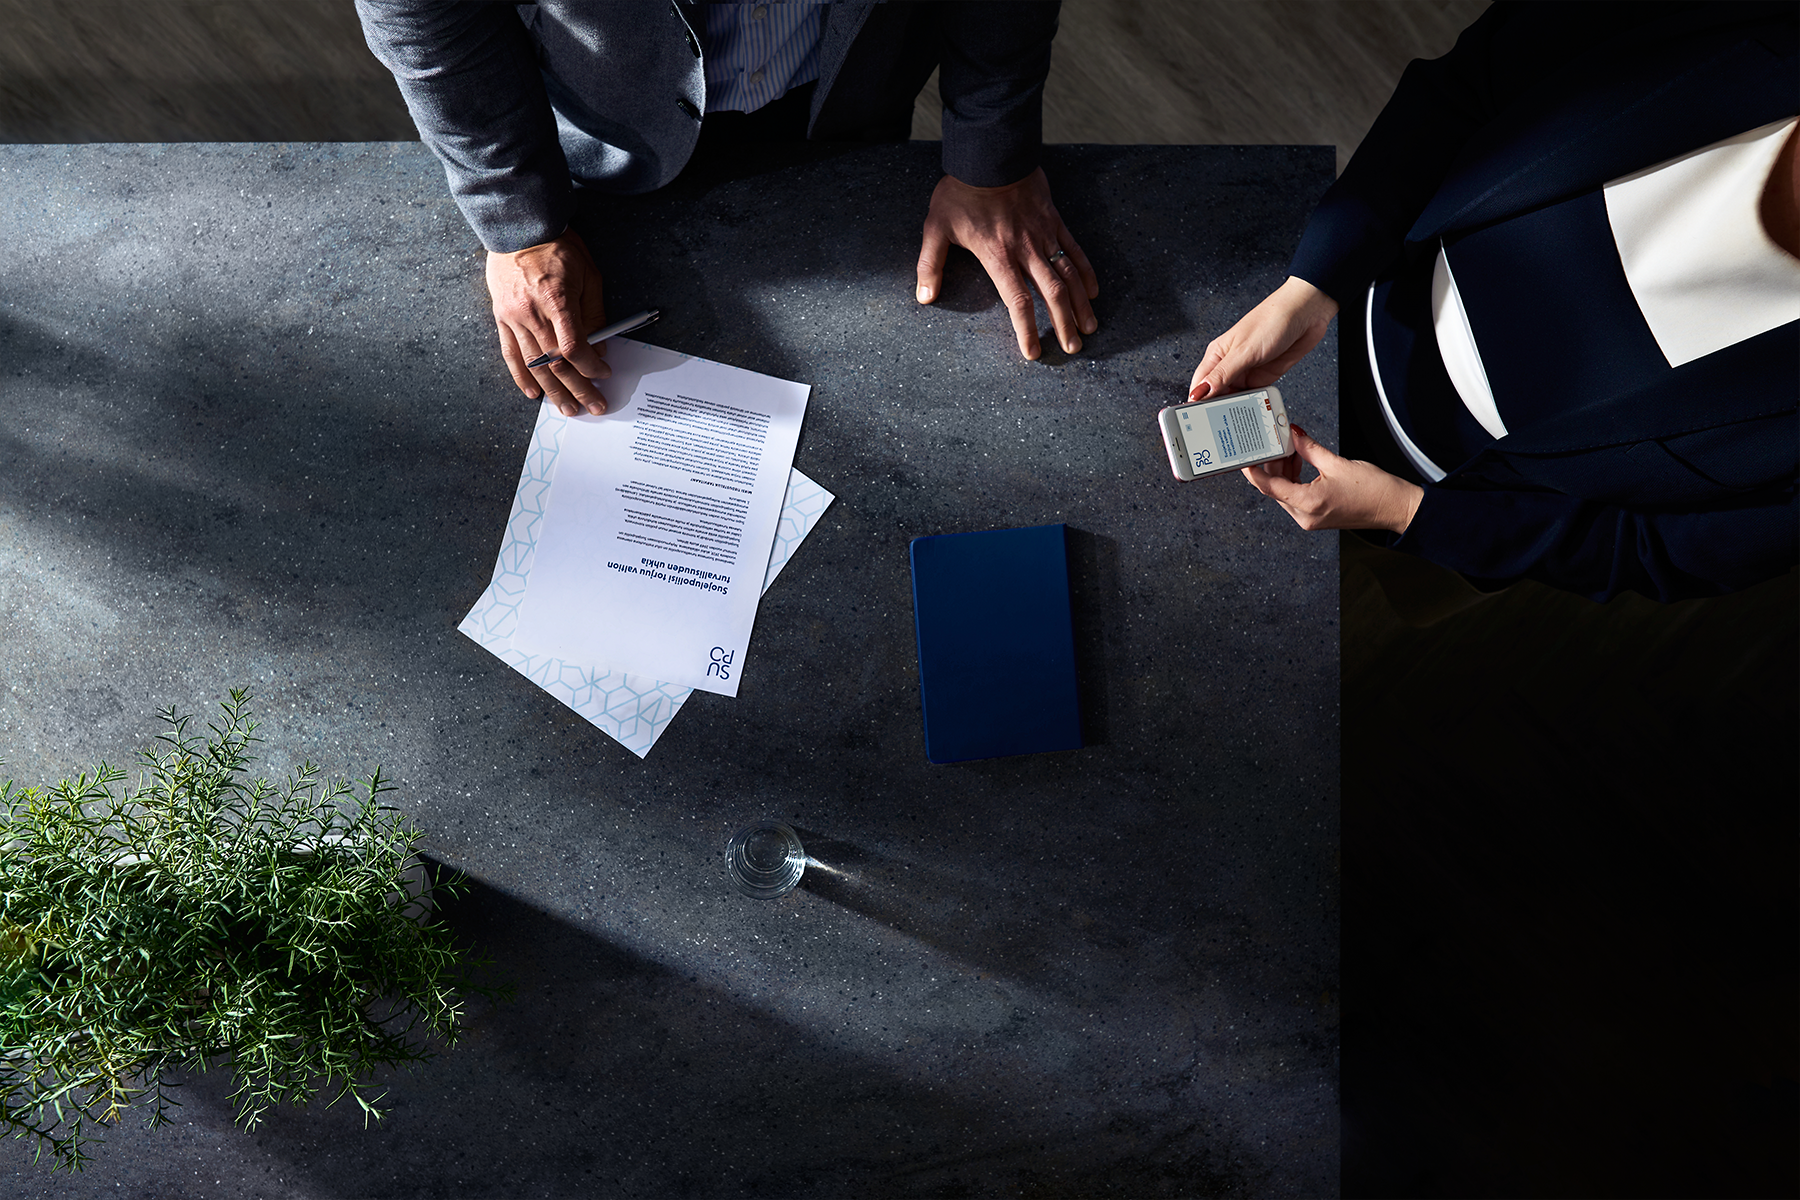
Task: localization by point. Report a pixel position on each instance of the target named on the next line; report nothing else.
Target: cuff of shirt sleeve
(1492, 538)
(1427, 520)
(1444, 531)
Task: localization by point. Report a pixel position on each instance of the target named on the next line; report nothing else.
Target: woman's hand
(1269, 339)
(1347, 494)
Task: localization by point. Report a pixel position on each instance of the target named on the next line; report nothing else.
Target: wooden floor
(1235, 72)
(1232, 71)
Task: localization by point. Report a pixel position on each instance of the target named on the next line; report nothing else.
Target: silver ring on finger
(1060, 254)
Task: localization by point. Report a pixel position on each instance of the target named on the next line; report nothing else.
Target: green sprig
(207, 920)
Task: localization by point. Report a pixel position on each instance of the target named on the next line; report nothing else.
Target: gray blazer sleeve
(470, 78)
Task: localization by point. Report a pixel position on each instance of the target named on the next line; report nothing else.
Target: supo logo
(721, 662)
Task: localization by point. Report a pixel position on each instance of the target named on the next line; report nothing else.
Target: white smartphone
(1209, 437)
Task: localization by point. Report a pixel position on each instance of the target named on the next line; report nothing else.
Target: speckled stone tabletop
(254, 431)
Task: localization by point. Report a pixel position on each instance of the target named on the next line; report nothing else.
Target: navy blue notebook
(996, 644)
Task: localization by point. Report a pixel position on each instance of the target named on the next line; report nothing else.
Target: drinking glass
(765, 860)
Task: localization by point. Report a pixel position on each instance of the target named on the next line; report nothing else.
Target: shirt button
(756, 78)
(761, 13)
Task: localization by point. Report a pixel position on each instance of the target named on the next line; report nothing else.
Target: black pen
(600, 335)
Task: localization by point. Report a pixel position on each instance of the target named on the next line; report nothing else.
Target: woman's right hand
(1268, 340)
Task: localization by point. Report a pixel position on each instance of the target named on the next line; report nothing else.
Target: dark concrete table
(253, 430)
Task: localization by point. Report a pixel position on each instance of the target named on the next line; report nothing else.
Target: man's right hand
(547, 299)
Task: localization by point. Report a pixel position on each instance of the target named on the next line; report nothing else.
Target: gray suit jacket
(520, 104)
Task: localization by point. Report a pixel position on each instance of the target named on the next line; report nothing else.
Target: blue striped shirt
(756, 52)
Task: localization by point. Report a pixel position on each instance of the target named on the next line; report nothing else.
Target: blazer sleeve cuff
(1346, 244)
(1599, 550)
(990, 156)
(515, 214)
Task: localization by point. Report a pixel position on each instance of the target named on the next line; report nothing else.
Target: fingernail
(924, 294)
(1298, 430)
(1201, 391)
(1072, 346)
(598, 408)
(1090, 326)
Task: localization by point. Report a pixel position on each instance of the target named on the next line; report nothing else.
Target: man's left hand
(1018, 236)
(1348, 493)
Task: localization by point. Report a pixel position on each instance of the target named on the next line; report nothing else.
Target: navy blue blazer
(1673, 482)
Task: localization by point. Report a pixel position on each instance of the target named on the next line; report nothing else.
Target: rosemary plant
(203, 919)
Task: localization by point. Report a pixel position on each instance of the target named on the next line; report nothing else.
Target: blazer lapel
(840, 101)
(1601, 119)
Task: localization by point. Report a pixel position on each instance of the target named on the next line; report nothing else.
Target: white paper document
(657, 530)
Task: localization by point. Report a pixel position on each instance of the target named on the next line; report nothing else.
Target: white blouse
(1705, 272)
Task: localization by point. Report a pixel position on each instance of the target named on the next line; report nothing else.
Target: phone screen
(1227, 432)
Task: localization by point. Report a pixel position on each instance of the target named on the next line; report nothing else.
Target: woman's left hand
(1348, 493)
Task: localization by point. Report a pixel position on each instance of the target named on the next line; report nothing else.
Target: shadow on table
(1093, 591)
(1141, 287)
(967, 288)
(990, 927)
(611, 1073)
(205, 452)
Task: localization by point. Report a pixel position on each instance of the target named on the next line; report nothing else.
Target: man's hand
(1017, 235)
(547, 299)
(1268, 340)
(1347, 494)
